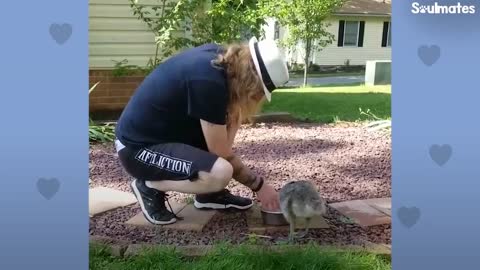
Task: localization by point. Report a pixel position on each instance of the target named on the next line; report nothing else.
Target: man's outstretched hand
(269, 198)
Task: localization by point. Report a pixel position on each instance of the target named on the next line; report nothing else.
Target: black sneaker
(152, 202)
(221, 200)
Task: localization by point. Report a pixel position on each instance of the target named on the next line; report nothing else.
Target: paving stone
(362, 213)
(102, 199)
(389, 247)
(383, 205)
(193, 219)
(140, 220)
(377, 248)
(117, 250)
(255, 223)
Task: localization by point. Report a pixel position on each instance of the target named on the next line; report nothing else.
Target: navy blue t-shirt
(169, 103)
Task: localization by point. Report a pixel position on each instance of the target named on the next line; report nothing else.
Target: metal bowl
(273, 218)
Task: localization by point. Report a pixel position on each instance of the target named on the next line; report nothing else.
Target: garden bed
(346, 163)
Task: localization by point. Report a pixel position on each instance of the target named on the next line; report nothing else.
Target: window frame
(276, 30)
(344, 33)
(389, 38)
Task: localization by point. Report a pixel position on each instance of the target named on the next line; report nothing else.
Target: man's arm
(232, 130)
(219, 141)
(216, 138)
(244, 175)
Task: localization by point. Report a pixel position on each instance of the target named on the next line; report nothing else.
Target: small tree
(228, 21)
(305, 21)
(220, 21)
(164, 19)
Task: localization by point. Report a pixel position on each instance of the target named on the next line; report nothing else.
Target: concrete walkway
(298, 81)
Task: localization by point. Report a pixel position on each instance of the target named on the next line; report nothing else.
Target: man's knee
(221, 174)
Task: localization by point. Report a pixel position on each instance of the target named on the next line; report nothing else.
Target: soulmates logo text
(442, 9)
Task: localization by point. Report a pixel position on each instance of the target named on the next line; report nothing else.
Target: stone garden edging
(272, 117)
(124, 249)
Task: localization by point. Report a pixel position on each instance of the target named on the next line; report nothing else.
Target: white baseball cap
(269, 63)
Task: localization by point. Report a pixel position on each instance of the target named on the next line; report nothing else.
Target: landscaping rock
(345, 163)
(279, 117)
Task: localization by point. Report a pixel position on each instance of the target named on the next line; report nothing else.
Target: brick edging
(272, 117)
(124, 249)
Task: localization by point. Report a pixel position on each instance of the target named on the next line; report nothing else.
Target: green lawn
(321, 75)
(329, 104)
(240, 257)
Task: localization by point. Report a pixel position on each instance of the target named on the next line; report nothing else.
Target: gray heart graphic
(429, 54)
(48, 187)
(408, 216)
(61, 33)
(440, 153)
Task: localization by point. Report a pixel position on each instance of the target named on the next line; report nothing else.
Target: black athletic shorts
(168, 161)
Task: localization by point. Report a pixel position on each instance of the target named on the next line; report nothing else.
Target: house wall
(372, 44)
(269, 30)
(116, 34)
(334, 55)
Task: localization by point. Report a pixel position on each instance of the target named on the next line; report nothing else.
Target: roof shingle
(366, 7)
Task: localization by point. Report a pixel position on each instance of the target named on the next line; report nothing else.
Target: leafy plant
(122, 68)
(228, 21)
(100, 133)
(378, 123)
(163, 20)
(252, 239)
(183, 23)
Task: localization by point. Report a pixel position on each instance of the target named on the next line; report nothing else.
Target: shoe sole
(217, 206)
(144, 211)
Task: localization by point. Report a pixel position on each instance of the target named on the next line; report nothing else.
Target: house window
(387, 34)
(351, 32)
(276, 34)
(389, 39)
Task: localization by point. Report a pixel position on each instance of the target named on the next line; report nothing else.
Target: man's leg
(181, 168)
(207, 182)
(208, 178)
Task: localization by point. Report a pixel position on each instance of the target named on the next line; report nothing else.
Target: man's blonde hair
(244, 84)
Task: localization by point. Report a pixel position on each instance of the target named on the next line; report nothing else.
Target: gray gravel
(346, 163)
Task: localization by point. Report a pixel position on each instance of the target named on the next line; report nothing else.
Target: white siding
(269, 30)
(372, 44)
(116, 34)
(334, 55)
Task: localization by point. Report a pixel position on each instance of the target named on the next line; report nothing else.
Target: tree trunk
(307, 57)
